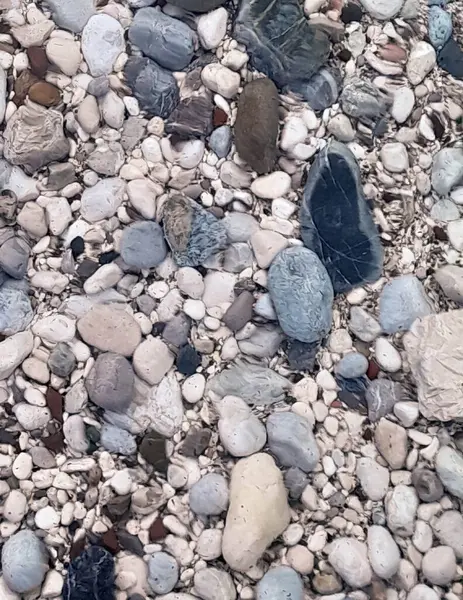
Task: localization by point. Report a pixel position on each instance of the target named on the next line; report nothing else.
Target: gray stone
(143, 245)
(240, 226)
(349, 558)
(291, 440)
(155, 88)
(102, 200)
(193, 233)
(200, 6)
(263, 342)
(363, 325)
(334, 187)
(34, 137)
(256, 125)
(439, 26)
(177, 330)
(449, 530)
(241, 432)
(99, 86)
(209, 495)
(212, 583)
(15, 309)
(102, 42)
(427, 485)
(163, 572)
(110, 382)
(24, 562)
(352, 365)
(383, 552)
(447, 170)
(295, 481)
(322, 90)
(362, 100)
(401, 506)
(402, 301)
(221, 140)
(115, 439)
(450, 279)
(168, 41)
(70, 14)
(301, 293)
(14, 254)
(381, 395)
(133, 132)
(237, 257)
(107, 159)
(240, 312)
(449, 468)
(280, 582)
(62, 360)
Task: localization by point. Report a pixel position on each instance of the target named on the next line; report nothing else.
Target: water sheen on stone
(90, 575)
(336, 222)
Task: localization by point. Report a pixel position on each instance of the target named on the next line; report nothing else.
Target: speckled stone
(280, 583)
(24, 562)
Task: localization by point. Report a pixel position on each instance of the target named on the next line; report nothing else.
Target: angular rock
(15, 310)
(334, 187)
(91, 574)
(402, 301)
(256, 125)
(14, 254)
(362, 100)
(439, 26)
(280, 582)
(301, 293)
(110, 382)
(349, 559)
(62, 360)
(381, 396)
(34, 137)
(291, 440)
(102, 42)
(258, 511)
(102, 200)
(392, 443)
(24, 562)
(165, 407)
(192, 232)
(143, 245)
(72, 15)
(155, 88)
(166, 40)
(449, 468)
(115, 439)
(322, 90)
(280, 41)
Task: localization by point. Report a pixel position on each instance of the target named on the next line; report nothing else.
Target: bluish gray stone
(115, 439)
(447, 170)
(90, 576)
(237, 257)
(439, 26)
(322, 90)
(336, 221)
(352, 365)
(221, 140)
(362, 100)
(450, 58)
(14, 254)
(301, 293)
(62, 360)
(143, 245)
(15, 309)
(295, 482)
(280, 41)
(155, 88)
(192, 232)
(301, 355)
(209, 495)
(280, 583)
(110, 382)
(200, 6)
(291, 439)
(402, 301)
(381, 395)
(177, 330)
(24, 561)
(70, 14)
(163, 572)
(168, 41)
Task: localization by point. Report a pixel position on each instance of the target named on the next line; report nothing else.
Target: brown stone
(110, 542)
(373, 369)
(240, 312)
(22, 85)
(38, 60)
(77, 547)
(45, 94)
(153, 450)
(157, 531)
(220, 117)
(54, 442)
(55, 404)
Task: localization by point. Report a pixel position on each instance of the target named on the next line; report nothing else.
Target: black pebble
(188, 360)
(108, 257)
(158, 328)
(351, 12)
(90, 575)
(77, 246)
(86, 268)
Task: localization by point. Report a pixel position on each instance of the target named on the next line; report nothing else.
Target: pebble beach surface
(231, 300)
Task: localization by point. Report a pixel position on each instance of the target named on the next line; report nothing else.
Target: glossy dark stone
(188, 360)
(90, 576)
(301, 356)
(280, 41)
(77, 246)
(362, 100)
(200, 6)
(450, 58)
(353, 392)
(154, 87)
(153, 450)
(351, 12)
(322, 90)
(196, 441)
(336, 222)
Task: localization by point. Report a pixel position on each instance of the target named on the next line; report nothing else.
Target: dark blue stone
(322, 90)
(280, 41)
(353, 392)
(336, 222)
(450, 58)
(188, 360)
(90, 576)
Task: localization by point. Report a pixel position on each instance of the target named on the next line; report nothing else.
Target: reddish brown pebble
(336, 404)
(220, 117)
(45, 94)
(54, 442)
(22, 86)
(157, 531)
(110, 542)
(38, 60)
(373, 369)
(393, 53)
(55, 404)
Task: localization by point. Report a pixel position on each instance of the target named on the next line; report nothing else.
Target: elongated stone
(154, 87)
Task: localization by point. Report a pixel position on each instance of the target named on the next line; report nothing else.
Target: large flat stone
(336, 221)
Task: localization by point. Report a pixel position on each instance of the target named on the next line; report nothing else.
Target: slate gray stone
(110, 382)
(132, 132)
(221, 140)
(240, 312)
(447, 170)
(280, 41)
(60, 175)
(163, 572)
(322, 90)
(256, 125)
(381, 395)
(291, 439)
(352, 365)
(295, 482)
(72, 15)
(440, 26)
(168, 41)
(263, 342)
(14, 254)
(62, 360)
(209, 496)
(301, 293)
(115, 439)
(450, 58)
(237, 257)
(15, 309)
(301, 355)
(280, 582)
(143, 245)
(155, 88)
(99, 86)
(24, 561)
(336, 221)
(427, 485)
(192, 232)
(90, 575)
(362, 100)
(402, 301)
(177, 330)
(200, 6)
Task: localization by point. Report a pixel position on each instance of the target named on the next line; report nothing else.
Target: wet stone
(89, 575)
(362, 100)
(450, 58)
(322, 90)
(381, 396)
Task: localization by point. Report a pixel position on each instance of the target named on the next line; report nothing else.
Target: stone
(13, 351)
(447, 170)
(110, 328)
(382, 10)
(356, 257)
(107, 159)
(152, 360)
(266, 245)
(291, 440)
(439, 26)
(422, 59)
(383, 552)
(439, 565)
(271, 186)
(373, 478)
(90, 574)
(349, 558)
(362, 100)
(115, 439)
(280, 582)
(220, 79)
(341, 127)
(363, 325)
(163, 572)
(301, 293)
(24, 561)
(65, 54)
(14, 255)
(392, 443)
(177, 330)
(193, 233)
(322, 90)
(256, 125)
(74, 433)
(394, 157)
(102, 42)
(188, 360)
(449, 530)
(72, 15)
(211, 583)
(201, 6)
(280, 41)
(155, 88)
(209, 496)
(45, 94)
(241, 432)
(34, 137)
(142, 245)
(403, 103)
(258, 511)
(33, 34)
(381, 396)
(15, 310)
(240, 312)
(450, 280)
(422, 592)
(102, 200)
(402, 301)
(196, 442)
(62, 360)
(212, 28)
(436, 371)
(450, 58)
(401, 506)
(237, 257)
(165, 406)
(220, 141)
(31, 417)
(168, 41)
(352, 365)
(153, 450)
(449, 468)
(263, 342)
(110, 382)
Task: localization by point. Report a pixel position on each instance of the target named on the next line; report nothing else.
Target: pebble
(212, 28)
(163, 572)
(392, 443)
(110, 329)
(70, 15)
(383, 552)
(449, 468)
(373, 478)
(447, 170)
(402, 301)
(439, 26)
(421, 61)
(401, 506)
(117, 440)
(110, 382)
(266, 245)
(450, 280)
(382, 396)
(152, 360)
(280, 582)
(24, 561)
(210, 495)
(439, 565)
(221, 80)
(349, 558)
(211, 583)
(74, 433)
(363, 325)
(102, 200)
(165, 406)
(102, 42)
(402, 106)
(448, 529)
(387, 357)
(241, 432)
(382, 9)
(394, 157)
(291, 440)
